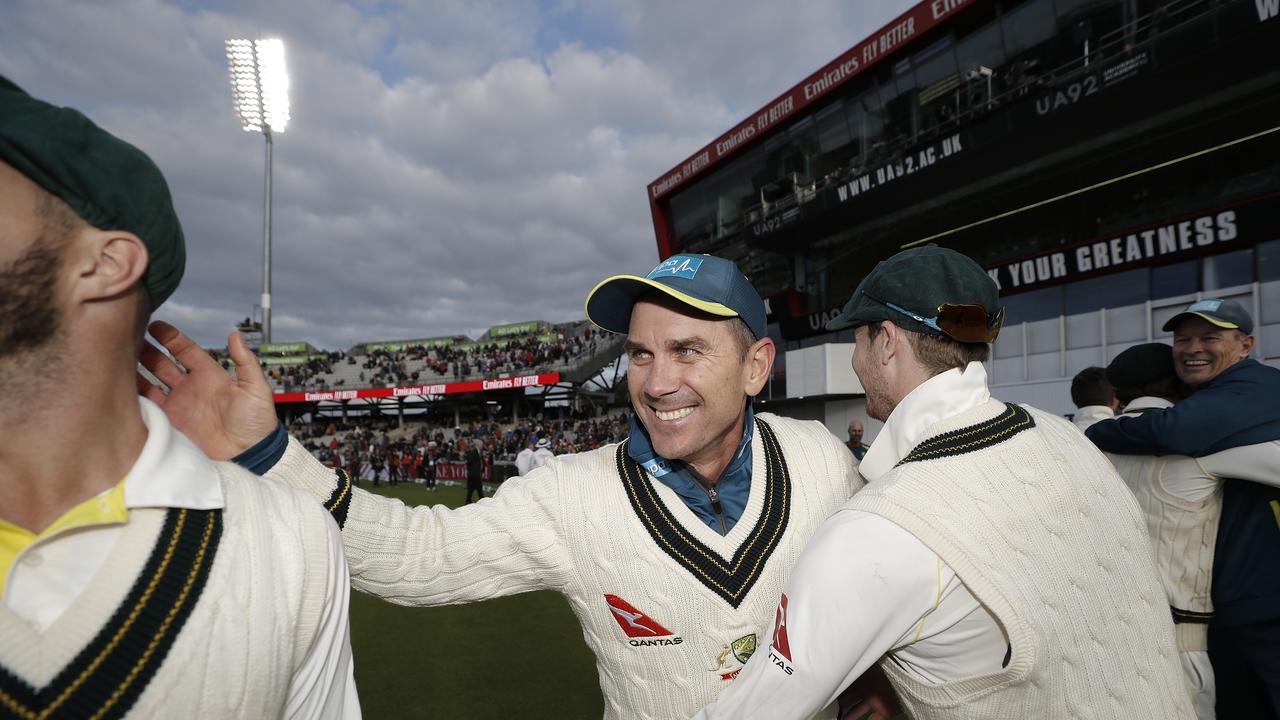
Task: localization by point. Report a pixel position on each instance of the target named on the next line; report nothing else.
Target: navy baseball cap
(1223, 313)
(1141, 365)
(703, 282)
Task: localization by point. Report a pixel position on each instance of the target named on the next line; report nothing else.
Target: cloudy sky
(451, 164)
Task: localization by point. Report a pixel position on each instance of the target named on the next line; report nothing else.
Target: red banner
(916, 21)
(451, 471)
(511, 383)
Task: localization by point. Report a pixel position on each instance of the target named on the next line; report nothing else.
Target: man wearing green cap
(1236, 402)
(124, 585)
(1182, 500)
(994, 564)
(670, 547)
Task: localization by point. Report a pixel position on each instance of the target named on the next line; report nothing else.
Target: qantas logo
(780, 653)
(780, 642)
(640, 628)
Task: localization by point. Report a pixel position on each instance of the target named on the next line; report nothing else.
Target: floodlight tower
(260, 90)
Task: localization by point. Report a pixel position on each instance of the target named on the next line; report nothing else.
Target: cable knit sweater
(1038, 526)
(670, 608)
(188, 615)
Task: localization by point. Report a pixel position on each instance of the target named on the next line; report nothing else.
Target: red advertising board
(451, 471)
(511, 383)
(916, 21)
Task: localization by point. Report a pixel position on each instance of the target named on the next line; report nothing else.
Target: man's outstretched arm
(413, 556)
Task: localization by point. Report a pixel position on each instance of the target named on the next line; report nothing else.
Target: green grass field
(520, 656)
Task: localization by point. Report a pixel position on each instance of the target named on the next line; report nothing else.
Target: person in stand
(995, 566)
(1235, 403)
(1093, 396)
(668, 546)
(855, 444)
(124, 585)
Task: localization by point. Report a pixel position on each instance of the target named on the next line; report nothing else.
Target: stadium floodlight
(260, 92)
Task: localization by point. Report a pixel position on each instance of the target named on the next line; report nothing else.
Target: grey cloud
(442, 173)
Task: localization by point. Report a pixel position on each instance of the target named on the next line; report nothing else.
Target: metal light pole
(260, 90)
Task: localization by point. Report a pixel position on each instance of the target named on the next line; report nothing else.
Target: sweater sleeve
(1210, 418)
(434, 555)
(324, 686)
(857, 591)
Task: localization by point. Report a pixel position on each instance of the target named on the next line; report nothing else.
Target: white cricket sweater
(1183, 533)
(1035, 522)
(205, 613)
(624, 550)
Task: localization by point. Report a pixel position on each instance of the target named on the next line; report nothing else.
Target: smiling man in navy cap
(123, 574)
(1236, 403)
(671, 547)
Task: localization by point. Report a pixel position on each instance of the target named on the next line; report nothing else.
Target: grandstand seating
(577, 350)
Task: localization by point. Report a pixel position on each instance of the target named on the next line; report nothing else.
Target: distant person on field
(542, 453)
(855, 444)
(524, 458)
(475, 470)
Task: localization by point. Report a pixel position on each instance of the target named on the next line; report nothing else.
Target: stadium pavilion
(1108, 161)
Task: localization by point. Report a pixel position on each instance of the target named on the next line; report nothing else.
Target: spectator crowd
(413, 364)
(376, 449)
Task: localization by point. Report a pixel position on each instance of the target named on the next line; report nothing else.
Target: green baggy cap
(919, 280)
(109, 183)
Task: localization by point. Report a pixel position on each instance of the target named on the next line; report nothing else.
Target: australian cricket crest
(728, 663)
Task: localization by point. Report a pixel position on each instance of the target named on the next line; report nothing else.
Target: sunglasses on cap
(966, 323)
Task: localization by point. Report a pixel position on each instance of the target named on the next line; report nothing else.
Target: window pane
(1108, 291)
(1228, 270)
(1170, 280)
(1028, 25)
(983, 48)
(1032, 306)
(1269, 260)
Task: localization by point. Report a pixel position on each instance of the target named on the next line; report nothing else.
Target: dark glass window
(939, 84)
(1269, 260)
(866, 124)
(1177, 279)
(1032, 306)
(1108, 291)
(1227, 270)
(1027, 26)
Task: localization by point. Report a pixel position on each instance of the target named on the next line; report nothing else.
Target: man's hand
(872, 694)
(223, 416)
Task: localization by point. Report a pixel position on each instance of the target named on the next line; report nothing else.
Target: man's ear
(108, 263)
(759, 364)
(1247, 345)
(889, 342)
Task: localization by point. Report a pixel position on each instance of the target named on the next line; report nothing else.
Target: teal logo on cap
(677, 266)
(1205, 306)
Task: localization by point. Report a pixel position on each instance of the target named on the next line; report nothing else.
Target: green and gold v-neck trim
(734, 578)
(105, 678)
(975, 437)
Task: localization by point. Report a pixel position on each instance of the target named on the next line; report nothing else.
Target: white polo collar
(1146, 402)
(934, 400)
(171, 471)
